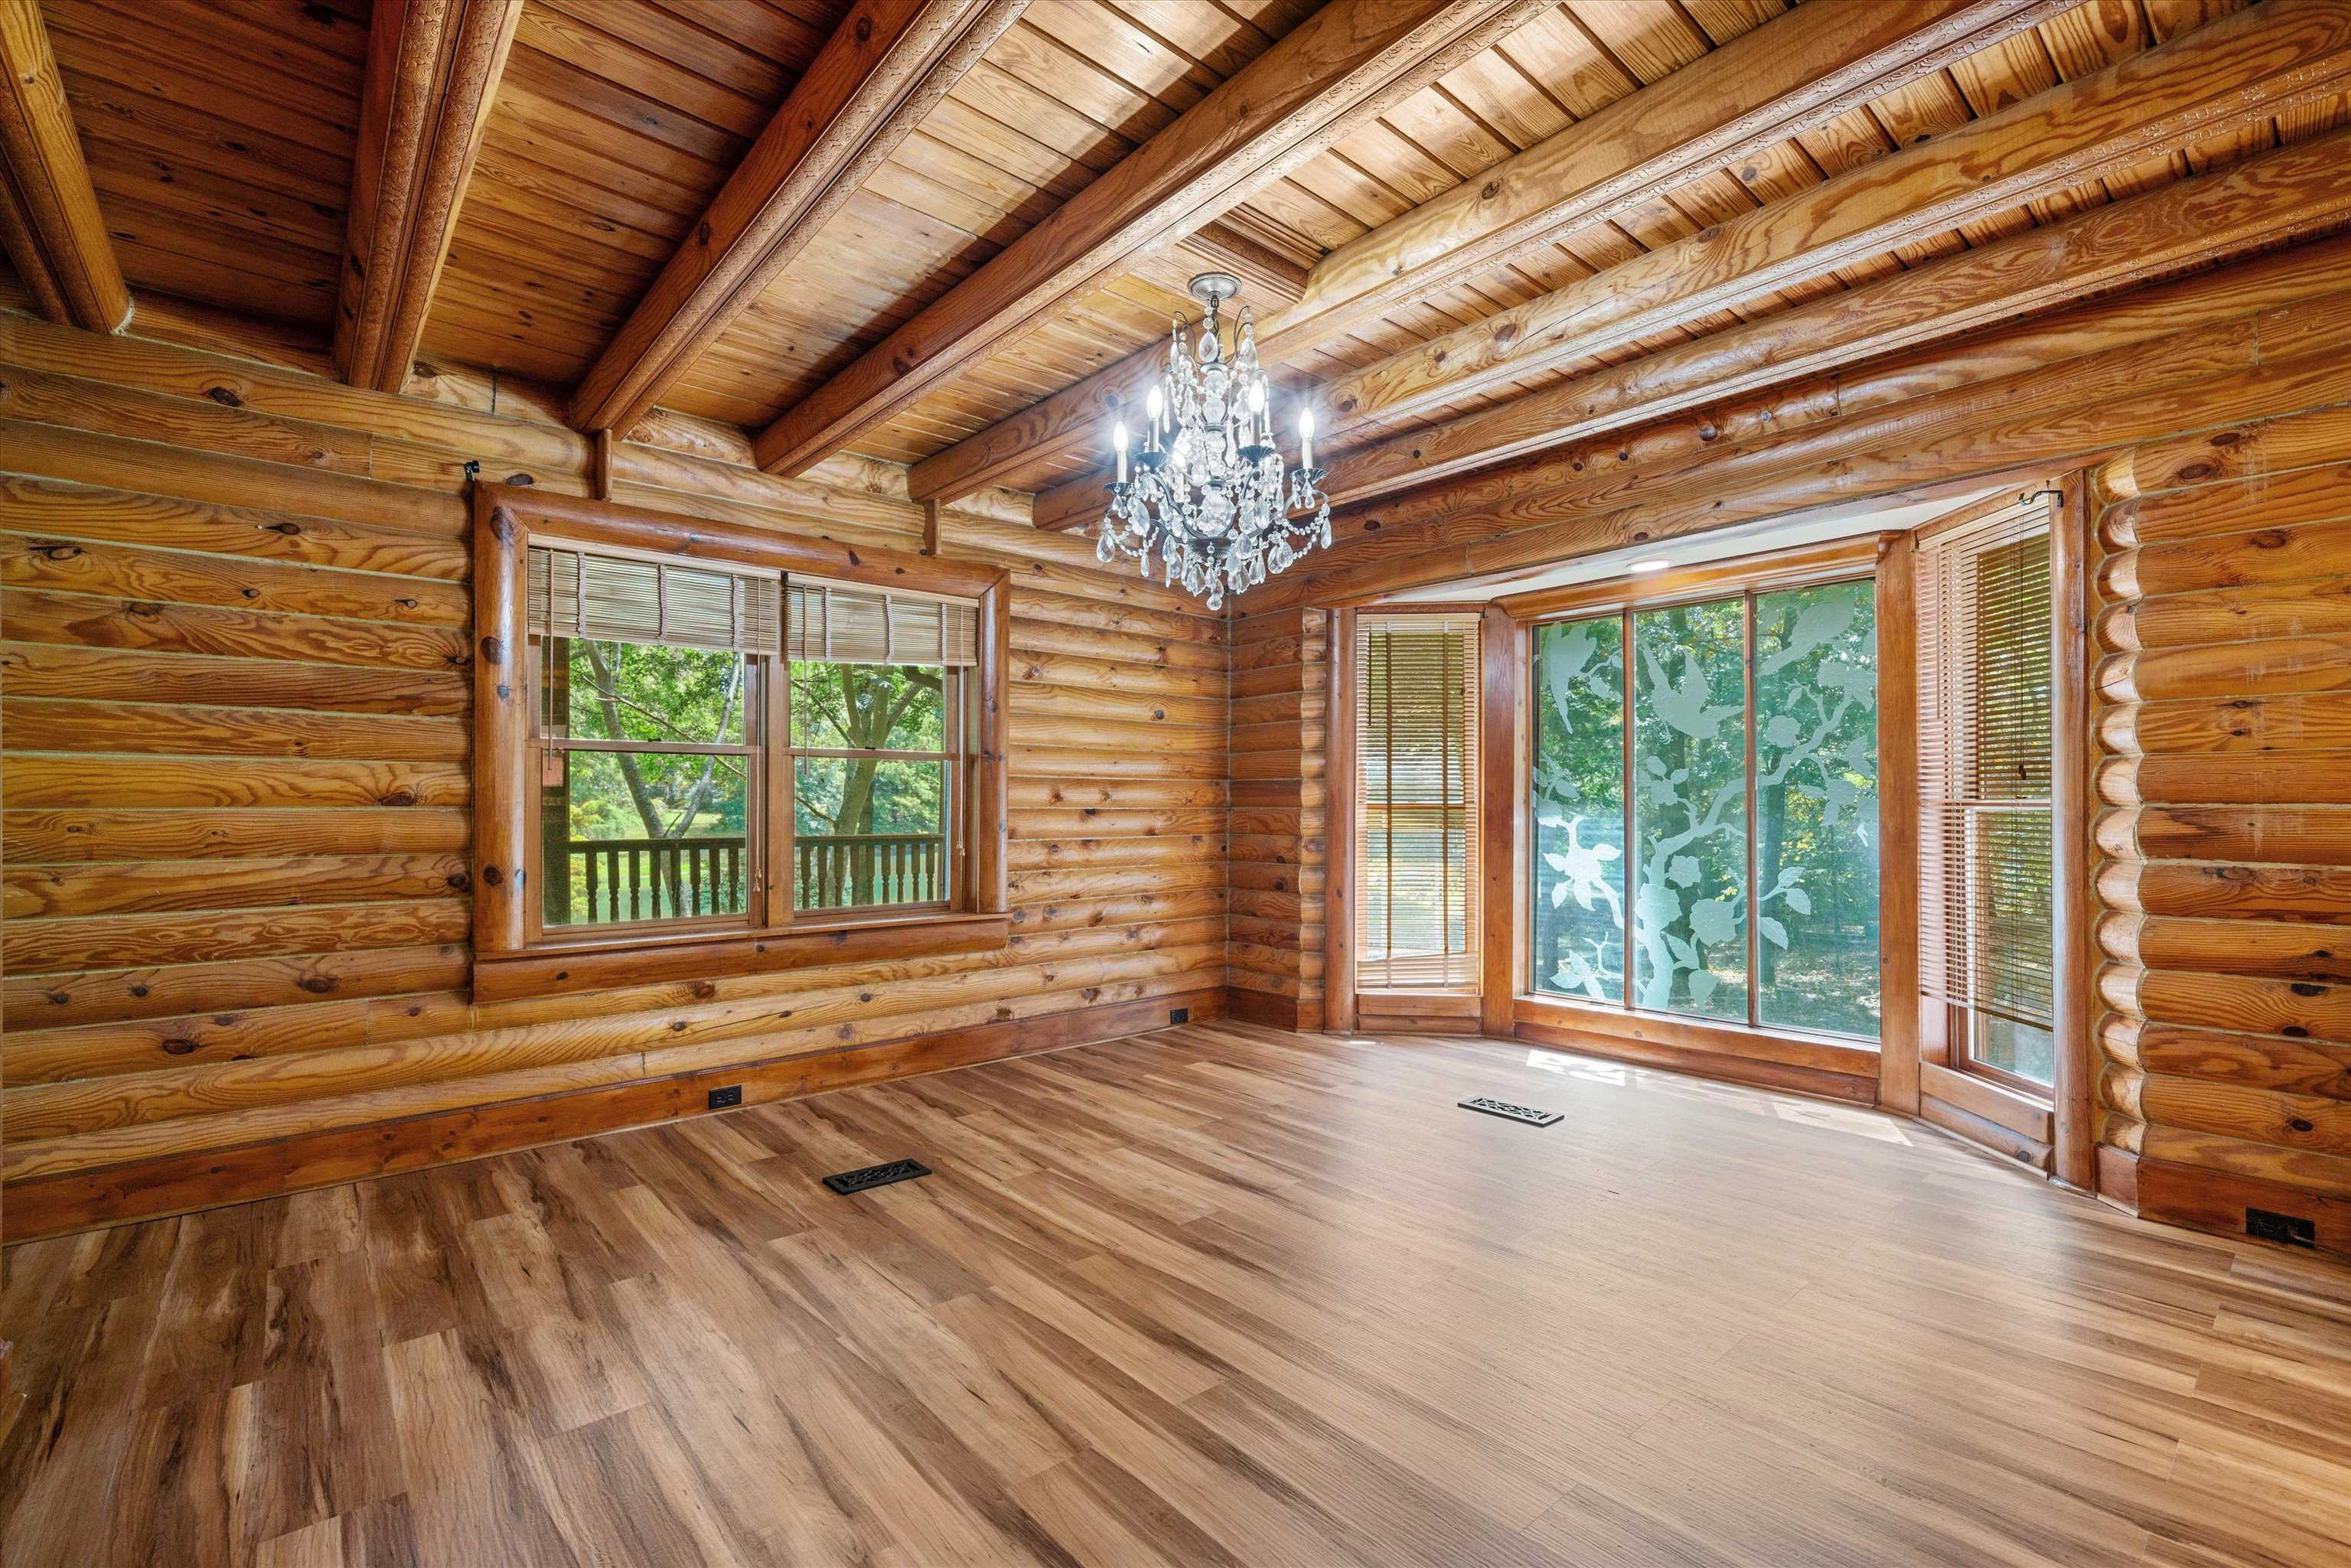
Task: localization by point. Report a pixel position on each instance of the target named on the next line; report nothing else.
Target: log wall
(1281, 677)
(233, 801)
(2223, 884)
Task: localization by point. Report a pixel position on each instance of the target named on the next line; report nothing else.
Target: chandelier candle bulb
(1209, 492)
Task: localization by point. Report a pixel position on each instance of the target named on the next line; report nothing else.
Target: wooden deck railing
(655, 879)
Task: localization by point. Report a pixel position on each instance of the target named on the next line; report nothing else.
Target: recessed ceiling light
(1649, 566)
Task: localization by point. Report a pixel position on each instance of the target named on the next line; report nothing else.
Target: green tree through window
(1793, 850)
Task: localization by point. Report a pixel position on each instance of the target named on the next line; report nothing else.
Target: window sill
(639, 958)
(1704, 1037)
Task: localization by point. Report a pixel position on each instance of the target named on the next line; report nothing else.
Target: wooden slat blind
(853, 625)
(1417, 801)
(621, 597)
(1985, 761)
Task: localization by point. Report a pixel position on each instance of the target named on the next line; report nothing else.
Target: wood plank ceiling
(221, 137)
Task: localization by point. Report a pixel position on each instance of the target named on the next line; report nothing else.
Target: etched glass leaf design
(1690, 824)
(1577, 930)
(1816, 807)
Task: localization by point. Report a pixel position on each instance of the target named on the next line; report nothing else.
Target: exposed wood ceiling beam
(1802, 68)
(2233, 73)
(1796, 444)
(2280, 196)
(433, 69)
(2222, 77)
(48, 213)
(885, 67)
(1351, 61)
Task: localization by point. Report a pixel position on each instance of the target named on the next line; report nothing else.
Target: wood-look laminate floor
(1222, 1295)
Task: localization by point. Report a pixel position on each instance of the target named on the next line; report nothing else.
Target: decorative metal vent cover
(848, 1182)
(1510, 1112)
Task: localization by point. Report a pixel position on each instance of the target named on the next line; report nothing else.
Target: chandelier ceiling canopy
(1205, 486)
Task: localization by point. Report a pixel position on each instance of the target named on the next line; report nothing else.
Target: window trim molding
(1857, 559)
(506, 961)
(1881, 556)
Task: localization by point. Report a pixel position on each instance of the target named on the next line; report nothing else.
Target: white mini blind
(1987, 938)
(616, 598)
(851, 624)
(1417, 801)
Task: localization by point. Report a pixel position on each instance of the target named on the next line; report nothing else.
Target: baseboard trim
(1754, 1071)
(181, 1184)
(2204, 1199)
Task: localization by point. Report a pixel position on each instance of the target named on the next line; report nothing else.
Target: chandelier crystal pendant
(1206, 488)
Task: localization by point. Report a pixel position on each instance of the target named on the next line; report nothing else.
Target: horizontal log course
(61, 507)
(2224, 780)
(1185, 657)
(2243, 449)
(1278, 708)
(61, 564)
(146, 887)
(1045, 605)
(39, 616)
(2306, 1009)
(1087, 792)
(1036, 707)
(1119, 909)
(2245, 891)
(1064, 885)
(77, 402)
(2281, 950)
(126, 941)
(67, 670)
(1066, 761)
(149, 467)
(2231, 506)
(118, 996)
(64, 724)
(2267, 555)
(1044, 823)
(2273, 1118)
(2313, 722)
(1027, 854)
(2254, 1060)
(38, 837)
(243, 380)
(2317, 609)
(2285, 835)
(2274, 666)
(1032, 667)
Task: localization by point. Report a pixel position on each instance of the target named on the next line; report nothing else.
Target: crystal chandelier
(1207, 489)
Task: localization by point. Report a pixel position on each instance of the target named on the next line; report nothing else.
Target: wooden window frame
(1815, 1060)
(1477, 760)
(514, 958)
(1946, 1029)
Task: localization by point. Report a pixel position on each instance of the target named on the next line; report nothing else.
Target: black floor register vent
(1508, 1111)
(877, 1175)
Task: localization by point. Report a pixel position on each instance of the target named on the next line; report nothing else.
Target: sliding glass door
(1705, 800)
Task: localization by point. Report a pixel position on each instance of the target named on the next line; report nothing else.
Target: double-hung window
(716, 749)
(1986, 765)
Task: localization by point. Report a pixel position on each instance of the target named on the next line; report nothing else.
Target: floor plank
(1219, 1296)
